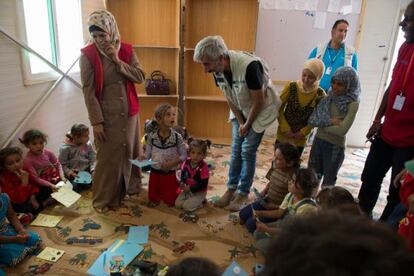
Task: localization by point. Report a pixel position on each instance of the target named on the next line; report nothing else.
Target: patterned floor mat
(83, 234)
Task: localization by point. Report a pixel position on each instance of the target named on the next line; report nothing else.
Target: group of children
(27, 181)
(26, 184)
(168, 151)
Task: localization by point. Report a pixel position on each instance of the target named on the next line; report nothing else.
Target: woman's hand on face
(111, 52)
(99, 133)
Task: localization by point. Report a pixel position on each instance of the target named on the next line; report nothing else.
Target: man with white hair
(254, 104)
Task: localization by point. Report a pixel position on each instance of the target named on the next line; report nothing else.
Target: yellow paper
(51, 254)
(66, 196)
(46, 220)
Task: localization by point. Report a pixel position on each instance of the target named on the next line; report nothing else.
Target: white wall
(65, 105)
(379, 28)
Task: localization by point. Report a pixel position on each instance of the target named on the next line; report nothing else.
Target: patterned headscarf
(105, 21)
(349, 77)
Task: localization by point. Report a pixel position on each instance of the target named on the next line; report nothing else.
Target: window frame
(55, 71)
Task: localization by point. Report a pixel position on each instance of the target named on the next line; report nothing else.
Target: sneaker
(225, 199)
(238, 202)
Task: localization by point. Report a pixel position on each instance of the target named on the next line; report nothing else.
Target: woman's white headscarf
(105, 21)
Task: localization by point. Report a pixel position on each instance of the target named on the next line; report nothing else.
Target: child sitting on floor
(42, 164)
(299, 201)
(337, 199)
(18, 184)
(194, 176)
(15, 241)
(286, 160)
(76, 153)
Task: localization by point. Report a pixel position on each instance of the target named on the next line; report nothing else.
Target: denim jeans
(246, 215)
(243, 159)
(326, 159)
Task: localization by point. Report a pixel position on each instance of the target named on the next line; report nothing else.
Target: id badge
(328, 70)
(398, 103)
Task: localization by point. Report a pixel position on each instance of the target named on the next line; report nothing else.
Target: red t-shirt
(398, 127)
(13, 187)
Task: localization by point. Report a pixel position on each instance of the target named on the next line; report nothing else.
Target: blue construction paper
(234, 269)
(83, 177)
(142, 163)
(138, 234)
(127, 250)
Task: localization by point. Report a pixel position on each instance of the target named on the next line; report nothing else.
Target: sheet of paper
(268, 4)
(66, 197)
(288, 5)
(334, 6)
(116, 258)
(66, 184)
(319, 20)
(138, 234)
(235, 269)
(46, 220)
(50, 254)
(142, 163)
(346, 9)
(83, 177)
(306, 5)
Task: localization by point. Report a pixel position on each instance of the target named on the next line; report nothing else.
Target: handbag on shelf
(158, 84)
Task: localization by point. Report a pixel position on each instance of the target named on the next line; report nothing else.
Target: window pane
(69, 31)
(38, 35)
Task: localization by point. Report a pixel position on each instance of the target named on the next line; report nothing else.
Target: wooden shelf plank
(157, 47)
(157, 96)
(206, 98)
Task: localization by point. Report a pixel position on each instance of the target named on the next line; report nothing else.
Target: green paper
(409, 165)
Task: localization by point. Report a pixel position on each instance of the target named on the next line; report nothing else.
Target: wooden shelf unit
(162, 42)
(206, 109)
(152, 27)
